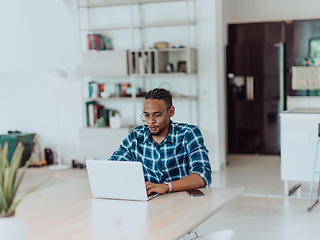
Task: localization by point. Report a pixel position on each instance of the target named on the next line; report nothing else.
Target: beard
(155, 133)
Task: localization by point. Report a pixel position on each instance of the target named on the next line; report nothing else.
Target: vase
(13, 228)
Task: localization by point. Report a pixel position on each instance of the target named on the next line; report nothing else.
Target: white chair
(219, 235)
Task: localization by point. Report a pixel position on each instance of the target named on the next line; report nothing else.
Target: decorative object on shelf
(104, 94)
(115, 119)
(11, 226)
(178, 46)
(161, 45)
(141, 93)
(169, 68)
(143, 61)
(101, 122)
(125, 90)
(182, 66)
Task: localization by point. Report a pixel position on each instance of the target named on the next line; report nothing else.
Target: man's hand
(156, 188)
(192, 181)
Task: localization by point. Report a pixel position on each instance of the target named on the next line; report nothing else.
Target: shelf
(160, 74)
(105, 29)
(183, 98)
(127, 3)
(156, 25)
(109, 128)
(99, 99)
(94, 141)
(89, 99)
(174, 24)
(97, 63)
(182, 49)
(140, 69)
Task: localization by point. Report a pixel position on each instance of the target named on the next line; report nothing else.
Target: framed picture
(314, 48)
(182, 66)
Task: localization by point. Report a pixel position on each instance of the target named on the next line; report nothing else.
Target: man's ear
(171, 110)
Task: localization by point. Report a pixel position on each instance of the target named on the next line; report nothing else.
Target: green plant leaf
(14, 166)
(3, 162)
(10, 180)
(20, 178)
(3, 201)
(26, 194)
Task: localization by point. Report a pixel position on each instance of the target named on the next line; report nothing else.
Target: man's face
(157, 116)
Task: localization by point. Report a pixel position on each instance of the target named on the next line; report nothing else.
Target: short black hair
(160, 94)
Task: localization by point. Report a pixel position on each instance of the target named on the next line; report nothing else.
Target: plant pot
(13, 228)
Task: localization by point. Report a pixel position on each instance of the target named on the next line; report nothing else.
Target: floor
(262, 212)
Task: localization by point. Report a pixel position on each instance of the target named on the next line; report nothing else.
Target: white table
(67, 211)
(299, 136)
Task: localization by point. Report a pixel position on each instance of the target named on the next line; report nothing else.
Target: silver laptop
(117, 180)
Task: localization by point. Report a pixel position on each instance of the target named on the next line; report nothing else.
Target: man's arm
(190, 182)
(123, 152)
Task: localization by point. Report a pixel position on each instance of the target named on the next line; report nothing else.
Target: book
(117, 89)
(104, 112)
(102, 42)
(96, 112)
(93, 89)
(133, 59)
(93, 42)
(145, 62)
(141, 65)
(90, 113)
(100, 89)
(97, 41)
(149, 62)
(89, 41)
(108, 43)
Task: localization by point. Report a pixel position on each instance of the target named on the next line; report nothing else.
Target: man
(173, 155)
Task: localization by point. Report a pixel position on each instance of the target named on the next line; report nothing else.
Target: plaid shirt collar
(169, 138)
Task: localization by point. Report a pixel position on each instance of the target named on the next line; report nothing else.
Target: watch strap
(169, 186)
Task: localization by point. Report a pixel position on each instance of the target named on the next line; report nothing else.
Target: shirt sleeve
(124, 151)
(198, 156)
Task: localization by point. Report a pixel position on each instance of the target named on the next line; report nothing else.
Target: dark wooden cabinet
(264, 53)
(255, 54)
(250, 33)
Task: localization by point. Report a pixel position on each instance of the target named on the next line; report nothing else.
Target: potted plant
(10, 179)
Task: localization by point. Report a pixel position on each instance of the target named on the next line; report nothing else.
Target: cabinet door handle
(250, 87)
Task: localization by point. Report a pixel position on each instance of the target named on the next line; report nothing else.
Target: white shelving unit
(134, 26)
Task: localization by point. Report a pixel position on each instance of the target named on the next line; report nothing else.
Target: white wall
(38, 36)
(43, 39)
(211, 79)
(237, 11)
(244, 11)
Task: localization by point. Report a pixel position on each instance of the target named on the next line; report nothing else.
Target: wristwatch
(169, 186)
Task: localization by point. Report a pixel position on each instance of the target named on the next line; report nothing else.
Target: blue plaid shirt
(180, 154)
